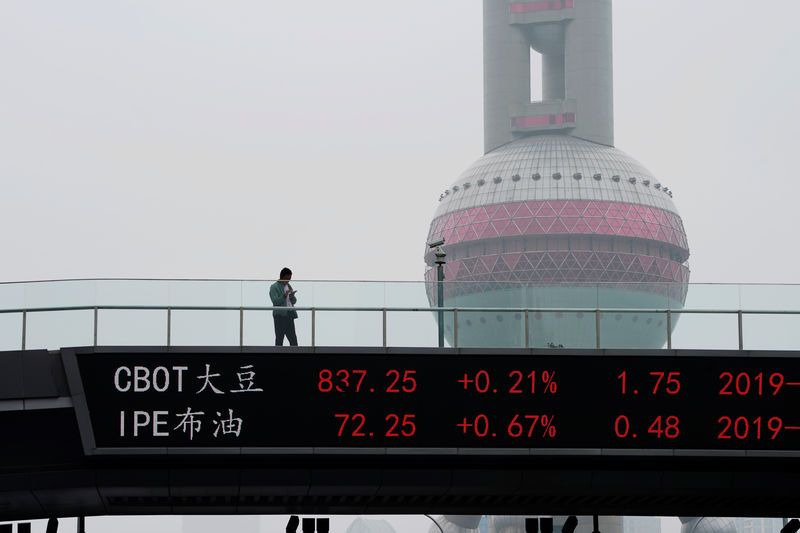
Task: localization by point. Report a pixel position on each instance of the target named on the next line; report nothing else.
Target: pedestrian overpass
(164, 397)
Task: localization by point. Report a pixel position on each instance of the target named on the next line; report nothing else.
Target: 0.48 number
(661, 427)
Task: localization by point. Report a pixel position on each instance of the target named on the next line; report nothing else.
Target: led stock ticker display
(551, 399)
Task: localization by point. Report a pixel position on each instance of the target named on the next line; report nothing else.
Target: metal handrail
(598, 312)
(393, 309)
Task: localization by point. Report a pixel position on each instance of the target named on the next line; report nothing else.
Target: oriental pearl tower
(553, 216)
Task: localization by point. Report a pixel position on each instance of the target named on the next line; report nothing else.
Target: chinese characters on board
(160, 423)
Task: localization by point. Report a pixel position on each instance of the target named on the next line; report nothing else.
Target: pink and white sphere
(553, 221)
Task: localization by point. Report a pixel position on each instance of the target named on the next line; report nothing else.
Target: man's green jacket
(278, 298)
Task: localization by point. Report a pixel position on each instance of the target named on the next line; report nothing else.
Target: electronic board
(453, 401)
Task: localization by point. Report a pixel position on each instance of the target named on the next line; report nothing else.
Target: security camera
(440, 255)
(436, 243)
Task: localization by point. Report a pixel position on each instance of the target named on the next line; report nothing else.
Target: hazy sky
(158, 138)
(208, 139)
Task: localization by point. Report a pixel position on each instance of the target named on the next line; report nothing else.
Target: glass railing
(54, 314)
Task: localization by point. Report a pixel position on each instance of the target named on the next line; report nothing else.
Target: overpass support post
(435, 523)
(790, 526)
(383, 315)
(24, 327)
(597, 328)
(527, 329)
(669, 329)
(455, 328)
(741, 336)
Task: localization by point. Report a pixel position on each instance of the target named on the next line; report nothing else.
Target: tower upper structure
(575, 40)
(553, 215)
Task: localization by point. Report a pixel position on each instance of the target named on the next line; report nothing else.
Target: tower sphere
(554, 221)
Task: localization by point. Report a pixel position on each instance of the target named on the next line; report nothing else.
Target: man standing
(282, 295)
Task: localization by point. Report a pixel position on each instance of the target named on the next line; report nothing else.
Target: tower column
(506, 72)
(589, 70)
(574, 38)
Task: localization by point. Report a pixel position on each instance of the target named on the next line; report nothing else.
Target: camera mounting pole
(436, 246)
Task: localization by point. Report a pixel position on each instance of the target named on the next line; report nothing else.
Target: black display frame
(598, 365)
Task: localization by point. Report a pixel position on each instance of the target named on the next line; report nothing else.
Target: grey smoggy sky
(227, 139)
(206, 139)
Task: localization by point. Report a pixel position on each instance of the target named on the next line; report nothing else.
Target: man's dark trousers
(284, 326)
